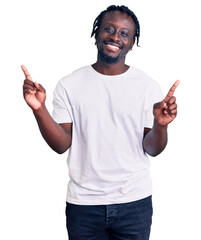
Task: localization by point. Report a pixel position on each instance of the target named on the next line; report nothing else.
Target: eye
(109, 30)
(124, 33)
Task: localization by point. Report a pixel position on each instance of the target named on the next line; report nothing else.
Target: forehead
(119, 18)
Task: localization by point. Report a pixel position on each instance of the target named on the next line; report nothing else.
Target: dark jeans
(110, 222)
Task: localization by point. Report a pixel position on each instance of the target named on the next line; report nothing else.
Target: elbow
(60, 149)
(153, 154)
(153, 150)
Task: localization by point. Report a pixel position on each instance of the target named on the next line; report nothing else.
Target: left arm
(155, 139)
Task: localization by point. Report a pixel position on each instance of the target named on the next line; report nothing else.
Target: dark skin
(114, 40)
(58, 136)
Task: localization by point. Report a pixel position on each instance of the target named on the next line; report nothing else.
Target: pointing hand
(34, 93)
(166, 111)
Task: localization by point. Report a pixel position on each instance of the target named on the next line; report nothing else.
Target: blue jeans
(110, 222)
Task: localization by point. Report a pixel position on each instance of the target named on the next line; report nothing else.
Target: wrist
(157, 124)
(39, 110)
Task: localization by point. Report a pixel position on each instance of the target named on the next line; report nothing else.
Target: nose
(115, 36)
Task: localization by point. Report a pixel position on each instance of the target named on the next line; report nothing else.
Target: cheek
(127, 45)
(98, 39)
(98, 42)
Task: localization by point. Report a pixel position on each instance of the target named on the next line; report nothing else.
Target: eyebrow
(108, 23)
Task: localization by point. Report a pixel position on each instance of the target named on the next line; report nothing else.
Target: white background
(52, 38)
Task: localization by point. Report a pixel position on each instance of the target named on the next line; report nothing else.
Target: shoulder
(147, 83)
(75, 76)
(71, 80)
(142, 76)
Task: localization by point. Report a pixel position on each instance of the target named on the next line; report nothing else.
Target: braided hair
(122, 8)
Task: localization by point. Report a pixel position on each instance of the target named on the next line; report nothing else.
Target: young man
(109, 115)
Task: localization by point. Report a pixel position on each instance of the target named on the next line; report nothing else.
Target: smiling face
(115, 37)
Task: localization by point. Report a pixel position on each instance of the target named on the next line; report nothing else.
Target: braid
(122, 8)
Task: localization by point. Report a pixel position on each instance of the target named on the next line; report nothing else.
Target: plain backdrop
(52, 38)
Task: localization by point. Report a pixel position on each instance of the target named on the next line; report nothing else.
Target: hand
(166, 111)
(34, 93)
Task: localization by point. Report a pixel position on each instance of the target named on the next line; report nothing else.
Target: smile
(112, 47)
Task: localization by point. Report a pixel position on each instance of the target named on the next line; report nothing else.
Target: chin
(108, 58)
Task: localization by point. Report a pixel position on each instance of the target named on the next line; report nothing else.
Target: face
(115, 36)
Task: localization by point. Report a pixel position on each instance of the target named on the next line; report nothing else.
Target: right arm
(57, 136)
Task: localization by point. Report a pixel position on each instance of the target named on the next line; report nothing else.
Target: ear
(96, 35)
(132, 43)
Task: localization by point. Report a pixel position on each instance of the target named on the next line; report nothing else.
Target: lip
(113, 44)
(114, 47)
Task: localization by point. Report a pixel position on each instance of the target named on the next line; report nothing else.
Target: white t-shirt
(107, 163)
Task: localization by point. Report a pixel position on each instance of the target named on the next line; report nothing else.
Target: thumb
(160, 105)
(39, 87)
(163, 104)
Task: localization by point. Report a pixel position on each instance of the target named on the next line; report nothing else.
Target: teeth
(112, 46)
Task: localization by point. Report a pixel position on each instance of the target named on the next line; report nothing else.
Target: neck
(110, 69)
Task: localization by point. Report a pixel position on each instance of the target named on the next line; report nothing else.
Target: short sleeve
(62, 111)
(153, 96)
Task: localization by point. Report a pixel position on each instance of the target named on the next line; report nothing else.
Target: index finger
(26, 73)
(171, 91)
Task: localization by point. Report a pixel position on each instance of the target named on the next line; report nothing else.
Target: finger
(172, 100)
(171, 91)
(28, 82)
(26, 73)
(28, 92)
(173, 106)
(27, 86)
(39, 87)
(173, 112)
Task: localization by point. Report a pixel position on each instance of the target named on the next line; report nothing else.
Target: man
(104, 113)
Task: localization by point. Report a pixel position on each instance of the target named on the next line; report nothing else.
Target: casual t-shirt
(107, 163)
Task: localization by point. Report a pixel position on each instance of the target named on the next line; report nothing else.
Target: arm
(155, 139)
(57, 136)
